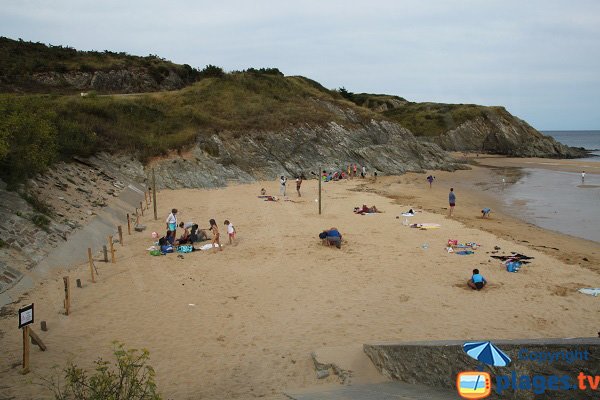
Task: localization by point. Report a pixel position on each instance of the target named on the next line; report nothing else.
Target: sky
(539, 59)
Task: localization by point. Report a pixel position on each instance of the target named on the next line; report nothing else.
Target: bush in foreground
(130, 378)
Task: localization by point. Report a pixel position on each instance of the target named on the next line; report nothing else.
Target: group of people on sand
(349, 173)
(192, 233)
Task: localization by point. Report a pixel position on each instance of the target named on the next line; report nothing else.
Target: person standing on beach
(354, 171)
(363, 172)
(582, 176)
(452, 200)
(298, 184)
(215, 232)
(282, 182)
(230, 231)
(349, 173)
(172, 221)
(430, 180)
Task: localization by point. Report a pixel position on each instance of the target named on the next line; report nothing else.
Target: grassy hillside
(19, 60)
(37, 130)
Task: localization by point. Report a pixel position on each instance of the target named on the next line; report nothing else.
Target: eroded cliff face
(500, 134)
(381, 146)
(115, 81)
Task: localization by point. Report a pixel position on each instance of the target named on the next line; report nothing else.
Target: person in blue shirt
(332, 237)
(477, 281)
(452, 200)
(485, 212)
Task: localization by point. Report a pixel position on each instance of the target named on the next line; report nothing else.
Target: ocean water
(558, 201)
(589, 140)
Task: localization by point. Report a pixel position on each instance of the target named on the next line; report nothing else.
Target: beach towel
(408, 214)
(464, 252)
(591, 291)
(208, 246)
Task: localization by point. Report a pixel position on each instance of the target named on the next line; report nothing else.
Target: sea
(561, 201)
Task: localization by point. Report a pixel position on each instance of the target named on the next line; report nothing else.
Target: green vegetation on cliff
(37, 130)
(19, 60)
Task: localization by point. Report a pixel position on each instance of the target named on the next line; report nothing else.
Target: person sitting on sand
(170, 237)
(366, 210)
(477, 281)
(332, 237)
(263, 192)
(485, 213)
(186, 235)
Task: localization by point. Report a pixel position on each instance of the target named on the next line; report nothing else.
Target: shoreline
(243, 322)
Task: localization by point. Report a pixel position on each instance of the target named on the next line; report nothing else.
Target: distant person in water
(451, 201)
(477, 281)
(582, 176)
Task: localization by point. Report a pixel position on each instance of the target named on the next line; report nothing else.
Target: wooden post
(91, 264)
(120, 234)
(154, 194)
(142, 208)
(146, 198)
(128, 224)
(112, 249)
(25, 350)
(79, 283)
(67, 295)
(105, 252)
(319, 189)
(44, 326)
(35, 339)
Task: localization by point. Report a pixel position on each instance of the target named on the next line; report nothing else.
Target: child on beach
(215, 231)
(172, 221)
(485, 213)
(477, 281)
(230, 231)
(298, 184)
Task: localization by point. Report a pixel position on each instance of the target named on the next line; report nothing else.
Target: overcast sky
(539, 59)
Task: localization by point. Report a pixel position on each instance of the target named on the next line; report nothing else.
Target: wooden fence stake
(91, 264)
(128, 224)
(43, 326)
(35, 339)
(79, 283)
(154, 194)
(112, 249)
(142, 208)
(67, 294)
(105, 252)
(25, 350)
(120, 234)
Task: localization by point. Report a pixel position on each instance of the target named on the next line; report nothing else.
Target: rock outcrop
(504, 134)
(114, 81)
(381, 146)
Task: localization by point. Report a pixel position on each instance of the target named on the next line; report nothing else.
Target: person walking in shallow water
(582, 176)
(452, 201)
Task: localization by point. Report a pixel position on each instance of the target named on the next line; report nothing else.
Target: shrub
(129, 379)
(211, 71)
(38, 205)
(41, 221)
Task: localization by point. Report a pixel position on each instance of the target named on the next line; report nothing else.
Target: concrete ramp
(375, 391)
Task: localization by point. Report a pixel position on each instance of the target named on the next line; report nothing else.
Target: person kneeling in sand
(332, 237)
(485, 213)
(477, 281)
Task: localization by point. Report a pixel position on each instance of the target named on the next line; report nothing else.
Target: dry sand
(242, 323)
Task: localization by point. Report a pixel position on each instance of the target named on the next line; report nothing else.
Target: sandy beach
(241, 323)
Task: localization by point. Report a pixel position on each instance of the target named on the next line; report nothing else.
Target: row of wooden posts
(28, 333)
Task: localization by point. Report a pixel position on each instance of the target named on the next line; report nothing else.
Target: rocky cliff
(504, 134)
(113, 81)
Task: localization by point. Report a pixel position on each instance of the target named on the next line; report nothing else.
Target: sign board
(26, 315)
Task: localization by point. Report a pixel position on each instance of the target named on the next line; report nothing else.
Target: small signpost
(25, 319)
(142, 208)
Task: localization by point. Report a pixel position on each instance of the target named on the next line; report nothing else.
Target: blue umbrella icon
(486, 353)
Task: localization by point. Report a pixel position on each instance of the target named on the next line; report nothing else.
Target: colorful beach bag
(185, 248)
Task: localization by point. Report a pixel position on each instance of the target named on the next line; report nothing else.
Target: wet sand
(241, 323)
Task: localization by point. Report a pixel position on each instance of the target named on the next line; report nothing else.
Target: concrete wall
(438, 363)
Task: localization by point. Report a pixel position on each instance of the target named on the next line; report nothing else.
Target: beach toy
(154, 235)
